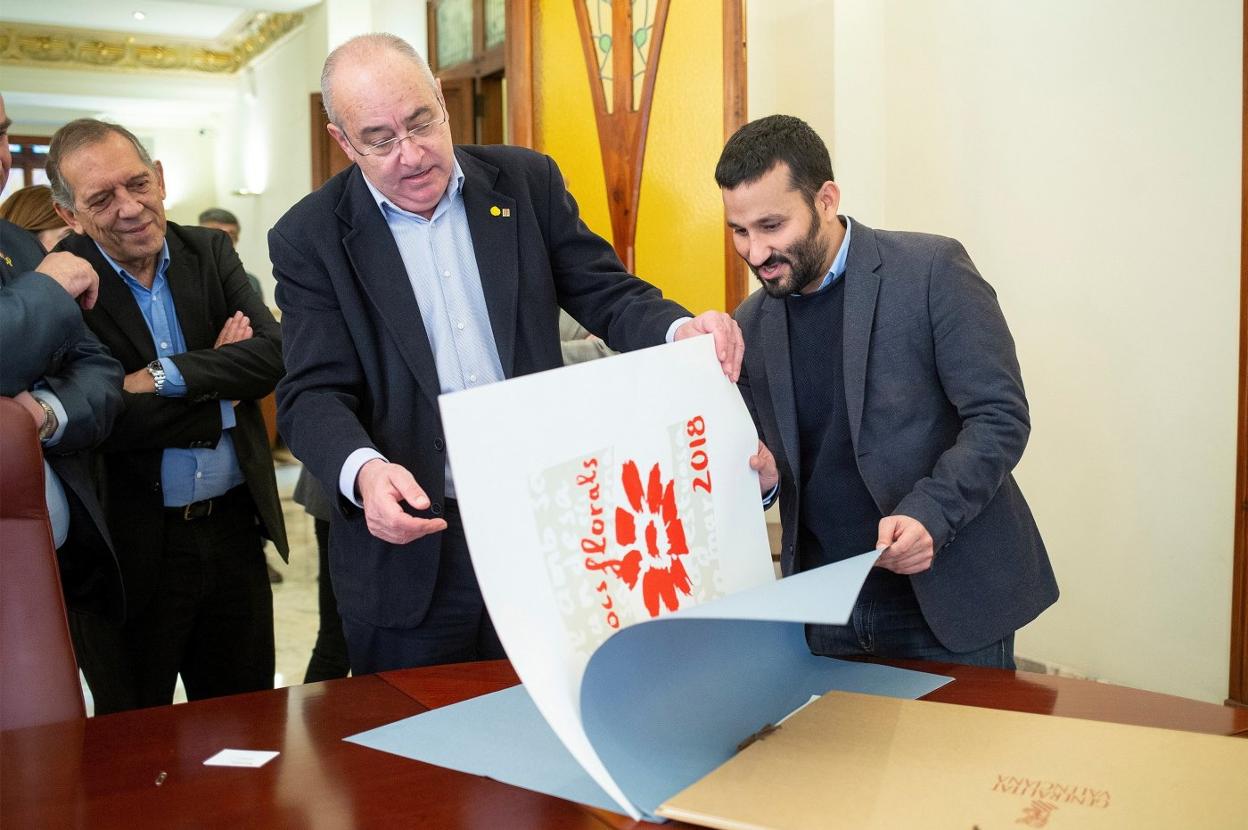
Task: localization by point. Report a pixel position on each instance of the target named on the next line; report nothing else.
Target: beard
(806, 260)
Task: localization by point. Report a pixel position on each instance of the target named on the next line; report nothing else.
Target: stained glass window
(643, 28)
(495, 22)
(600, 25)
(454, 22)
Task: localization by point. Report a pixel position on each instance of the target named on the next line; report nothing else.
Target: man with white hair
(427, 268)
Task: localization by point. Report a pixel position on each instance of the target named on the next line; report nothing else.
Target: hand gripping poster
(599, 496)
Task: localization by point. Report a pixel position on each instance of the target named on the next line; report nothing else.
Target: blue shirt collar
(838, 265)
(453, 187)
(162, 265)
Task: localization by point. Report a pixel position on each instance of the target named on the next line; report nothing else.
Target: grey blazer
(43, 338)
(938, 421)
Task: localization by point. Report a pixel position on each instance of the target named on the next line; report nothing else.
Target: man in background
(426, 268)
(883, 381)
(191, 492)
(222, 220)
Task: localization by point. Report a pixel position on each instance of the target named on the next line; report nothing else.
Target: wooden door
(327, 156)
(458, 94)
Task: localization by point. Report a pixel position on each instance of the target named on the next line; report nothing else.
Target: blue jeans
(894, 627)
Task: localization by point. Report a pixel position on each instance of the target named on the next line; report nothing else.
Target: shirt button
(198, 474)
(472, 378)
(459, 326)
(446, 273)
(164, 345)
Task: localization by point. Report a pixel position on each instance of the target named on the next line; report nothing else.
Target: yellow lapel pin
(495, 210)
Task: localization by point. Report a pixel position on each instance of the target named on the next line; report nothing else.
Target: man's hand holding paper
(729, 346)
(908, 545)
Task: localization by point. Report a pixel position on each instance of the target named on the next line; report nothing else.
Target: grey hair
(73, 137)
(361, 44)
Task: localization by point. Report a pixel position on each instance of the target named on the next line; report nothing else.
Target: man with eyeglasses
(190, 491)
(422, 269)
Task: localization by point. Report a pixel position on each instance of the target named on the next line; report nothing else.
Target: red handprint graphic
(655, 553)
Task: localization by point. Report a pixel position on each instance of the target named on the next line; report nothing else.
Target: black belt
(203, 509)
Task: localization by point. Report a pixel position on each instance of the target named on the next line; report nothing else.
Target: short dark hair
(74, 136)
(219, 216)
(760, 145)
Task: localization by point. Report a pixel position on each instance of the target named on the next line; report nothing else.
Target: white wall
(175, 116)
(1088, 154)
(219, 137)
(263, 145)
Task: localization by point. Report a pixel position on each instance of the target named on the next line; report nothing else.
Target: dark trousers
(457, 628)
(211, 616)
(104, 660)
(893, 626)
(95, 608)
(329, 654)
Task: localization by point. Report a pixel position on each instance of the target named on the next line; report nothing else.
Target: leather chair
(38, 673)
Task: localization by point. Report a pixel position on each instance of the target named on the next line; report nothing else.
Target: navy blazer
(938, 421)
(360, 370)
(43, 338)
(208, 285)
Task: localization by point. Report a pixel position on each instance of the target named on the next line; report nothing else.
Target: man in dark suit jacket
(884, 384)
(189, 482)
(53, 365)
(424, 269)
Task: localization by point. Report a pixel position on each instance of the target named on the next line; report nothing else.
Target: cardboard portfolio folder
(862, 761)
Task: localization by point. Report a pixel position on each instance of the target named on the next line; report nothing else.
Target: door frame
(518, 60)
(1238, 691)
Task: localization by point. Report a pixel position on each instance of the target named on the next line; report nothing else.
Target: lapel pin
(495, 210)
(506, 213)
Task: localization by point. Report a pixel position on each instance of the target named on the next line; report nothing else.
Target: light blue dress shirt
(186, 475)
(838, 265)
(442, 268)
(53, 489)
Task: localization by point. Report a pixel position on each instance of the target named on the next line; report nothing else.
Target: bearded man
(907, 422)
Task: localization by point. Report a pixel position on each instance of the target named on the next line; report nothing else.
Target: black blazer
(938, 421)
(208, 285)
(360, 369)
(43, 338)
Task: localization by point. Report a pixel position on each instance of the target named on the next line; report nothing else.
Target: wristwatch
(158, 375)
(50, 421)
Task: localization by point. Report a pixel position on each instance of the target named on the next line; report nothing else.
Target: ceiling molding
(80, 49)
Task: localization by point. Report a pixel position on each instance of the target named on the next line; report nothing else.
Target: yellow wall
(680, 222)
(563, 110)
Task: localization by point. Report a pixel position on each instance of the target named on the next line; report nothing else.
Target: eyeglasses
(385, 148)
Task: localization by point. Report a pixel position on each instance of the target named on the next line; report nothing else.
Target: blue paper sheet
(665, 702)
(500, 736)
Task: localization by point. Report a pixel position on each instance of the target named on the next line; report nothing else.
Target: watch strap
(157, 371)
(50, 422)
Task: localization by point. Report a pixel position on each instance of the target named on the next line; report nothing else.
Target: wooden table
(103, 772)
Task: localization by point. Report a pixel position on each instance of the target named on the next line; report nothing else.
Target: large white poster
(602, 495)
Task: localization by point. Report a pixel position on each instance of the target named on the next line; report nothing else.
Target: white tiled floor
(295, 613)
